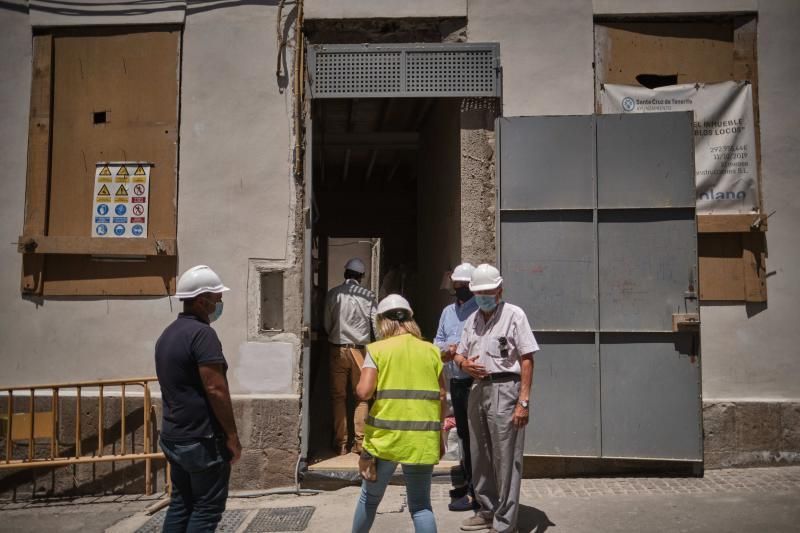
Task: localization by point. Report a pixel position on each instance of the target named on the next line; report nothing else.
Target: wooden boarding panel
(754, 256)
(97, 246)
(115, 99)
(745, 67)
(697, 52)
(730, 223)
(82, 275)
(721, 267)
(38, 158)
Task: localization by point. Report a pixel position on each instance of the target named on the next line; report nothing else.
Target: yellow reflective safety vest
(404, 423)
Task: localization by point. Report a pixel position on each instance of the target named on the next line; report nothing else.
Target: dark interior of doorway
(388, 169)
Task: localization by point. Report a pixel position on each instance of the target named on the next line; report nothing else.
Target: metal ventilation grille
(363, 73)
(379, 71)
(471, 72)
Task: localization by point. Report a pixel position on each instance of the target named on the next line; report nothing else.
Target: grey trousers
(496, 447)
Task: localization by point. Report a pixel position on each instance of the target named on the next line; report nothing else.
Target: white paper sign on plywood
(726, 171)
(121, 194)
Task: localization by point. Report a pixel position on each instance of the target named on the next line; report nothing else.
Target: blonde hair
(389, 327)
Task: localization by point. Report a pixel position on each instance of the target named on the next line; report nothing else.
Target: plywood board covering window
(732, 249)
(114, 98)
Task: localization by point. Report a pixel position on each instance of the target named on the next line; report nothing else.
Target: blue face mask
(217, 312)
(486, 302)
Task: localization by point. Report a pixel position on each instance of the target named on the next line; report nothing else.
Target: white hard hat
(356, 265)
(394, 302)
(462, 272)
(485, 278)
(197, 280)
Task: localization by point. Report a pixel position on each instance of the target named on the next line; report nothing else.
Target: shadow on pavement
(532, 520)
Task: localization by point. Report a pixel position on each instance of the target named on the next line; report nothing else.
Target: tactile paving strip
(281, 519)
(231, 520)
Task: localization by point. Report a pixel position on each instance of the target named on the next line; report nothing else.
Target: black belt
(357, 346)
(462, 380)
(500, 376)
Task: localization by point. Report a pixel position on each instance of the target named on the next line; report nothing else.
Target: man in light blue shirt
(448, 335)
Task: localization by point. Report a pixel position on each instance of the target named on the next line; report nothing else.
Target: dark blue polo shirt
(187, 343)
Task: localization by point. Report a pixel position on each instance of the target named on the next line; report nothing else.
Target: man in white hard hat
(496, 348)
(198, 430)
(349, 317)
(448, 335)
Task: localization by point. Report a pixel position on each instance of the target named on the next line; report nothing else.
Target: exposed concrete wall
(478, 185)
(438, 205)
(546, 49)
(341, 9)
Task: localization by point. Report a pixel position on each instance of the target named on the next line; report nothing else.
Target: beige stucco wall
(546, 50)
(234, 202)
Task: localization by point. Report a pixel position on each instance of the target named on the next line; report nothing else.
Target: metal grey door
(598, 244)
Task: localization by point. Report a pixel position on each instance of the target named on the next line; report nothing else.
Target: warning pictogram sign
(120, 211)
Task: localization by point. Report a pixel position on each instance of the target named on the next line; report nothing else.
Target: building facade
(233, 172)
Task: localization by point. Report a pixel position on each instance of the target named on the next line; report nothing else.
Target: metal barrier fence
(41, 425)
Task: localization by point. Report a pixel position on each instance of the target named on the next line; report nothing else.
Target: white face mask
(217, 312)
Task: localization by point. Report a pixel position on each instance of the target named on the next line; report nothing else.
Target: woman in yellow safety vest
(404, 373)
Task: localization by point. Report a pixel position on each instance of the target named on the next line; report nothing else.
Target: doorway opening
(386, 184)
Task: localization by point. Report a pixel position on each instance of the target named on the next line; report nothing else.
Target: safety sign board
(105, 175)
(114, 203)
(122, 175)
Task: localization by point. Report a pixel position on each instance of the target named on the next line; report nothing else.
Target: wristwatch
(524, 403)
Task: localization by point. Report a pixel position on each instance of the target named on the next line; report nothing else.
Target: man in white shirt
(496, 348)
(349, 316)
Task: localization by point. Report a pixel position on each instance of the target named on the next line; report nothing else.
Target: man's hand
(235, 447)
(520, 416)
(449, 353)
(471, 366)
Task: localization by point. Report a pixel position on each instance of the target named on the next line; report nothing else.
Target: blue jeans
(418, 491)
(200, 474)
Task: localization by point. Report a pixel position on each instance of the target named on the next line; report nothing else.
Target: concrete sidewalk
(751, 500)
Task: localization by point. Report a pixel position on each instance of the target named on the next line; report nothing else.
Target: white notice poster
(726, 173)
(121, 194)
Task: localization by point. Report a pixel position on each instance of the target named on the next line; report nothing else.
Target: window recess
(100, 95)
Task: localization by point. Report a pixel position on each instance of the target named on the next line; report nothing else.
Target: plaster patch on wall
(265, 367)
